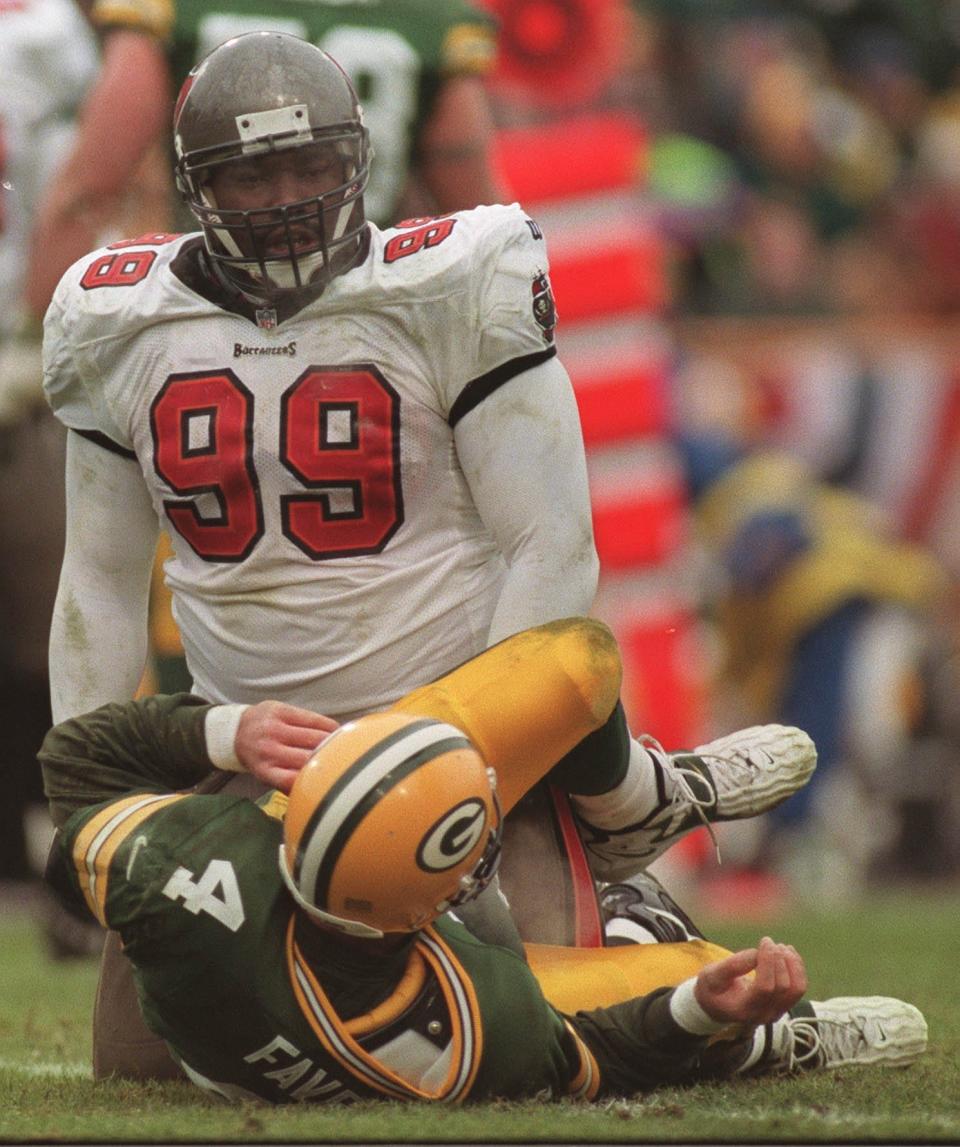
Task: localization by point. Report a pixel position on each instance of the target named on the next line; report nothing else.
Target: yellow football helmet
(393, 820)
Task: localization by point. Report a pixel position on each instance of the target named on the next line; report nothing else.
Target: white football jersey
(48, 58)
(327, 548)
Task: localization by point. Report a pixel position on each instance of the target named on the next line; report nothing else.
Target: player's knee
(590, 656)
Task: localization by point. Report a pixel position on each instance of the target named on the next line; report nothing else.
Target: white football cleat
(737, 776)
(844, 1032)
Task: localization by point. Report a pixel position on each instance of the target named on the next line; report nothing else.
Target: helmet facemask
(244, 242)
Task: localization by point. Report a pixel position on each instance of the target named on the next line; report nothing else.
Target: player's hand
(275, 740)
(727, 992)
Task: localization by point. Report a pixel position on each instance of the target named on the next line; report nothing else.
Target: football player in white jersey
(47, 59)
(361, 442)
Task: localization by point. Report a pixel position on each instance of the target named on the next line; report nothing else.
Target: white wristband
(220, 730)
(687, 1012)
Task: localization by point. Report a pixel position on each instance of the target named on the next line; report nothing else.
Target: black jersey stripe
(477, 389)
(107, 443)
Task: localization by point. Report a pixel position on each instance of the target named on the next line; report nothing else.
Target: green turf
(901, 945)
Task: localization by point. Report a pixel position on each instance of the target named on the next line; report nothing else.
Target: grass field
(899, 944)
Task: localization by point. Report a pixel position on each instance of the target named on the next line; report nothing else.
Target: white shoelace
(809, 1033)
(684, 792)
(809, 1030)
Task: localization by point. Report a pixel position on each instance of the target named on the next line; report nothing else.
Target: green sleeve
(154, 744)
(639, 1046)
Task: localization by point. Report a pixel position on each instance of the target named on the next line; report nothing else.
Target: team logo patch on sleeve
(544, 308)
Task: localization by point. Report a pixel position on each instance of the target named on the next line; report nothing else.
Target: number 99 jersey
(324, 533)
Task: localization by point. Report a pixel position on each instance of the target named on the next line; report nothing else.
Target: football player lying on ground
(342, 970)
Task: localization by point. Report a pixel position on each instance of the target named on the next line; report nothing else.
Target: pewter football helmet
(256, 95)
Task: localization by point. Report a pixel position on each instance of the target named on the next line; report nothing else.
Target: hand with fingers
(754, 986)
(275, 740)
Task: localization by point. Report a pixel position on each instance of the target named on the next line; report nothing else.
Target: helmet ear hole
(226, 113)
(393, 821)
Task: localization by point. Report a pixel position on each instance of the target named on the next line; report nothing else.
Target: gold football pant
(529, 700)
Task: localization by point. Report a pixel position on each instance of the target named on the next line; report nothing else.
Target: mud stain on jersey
(75, 626)
(76, 644)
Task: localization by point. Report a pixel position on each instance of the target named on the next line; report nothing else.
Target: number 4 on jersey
(202, 895)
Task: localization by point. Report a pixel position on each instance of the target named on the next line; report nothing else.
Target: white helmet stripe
(376, 765)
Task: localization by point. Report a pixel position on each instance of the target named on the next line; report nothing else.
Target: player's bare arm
(105, 156)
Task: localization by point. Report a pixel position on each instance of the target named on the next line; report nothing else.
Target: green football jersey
(191, 882)
(397, 52)
(256, 1000)
(251, 996)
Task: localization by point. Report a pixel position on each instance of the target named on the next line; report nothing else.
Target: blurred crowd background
(756, 273)
(753, 216)
(804, 155)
